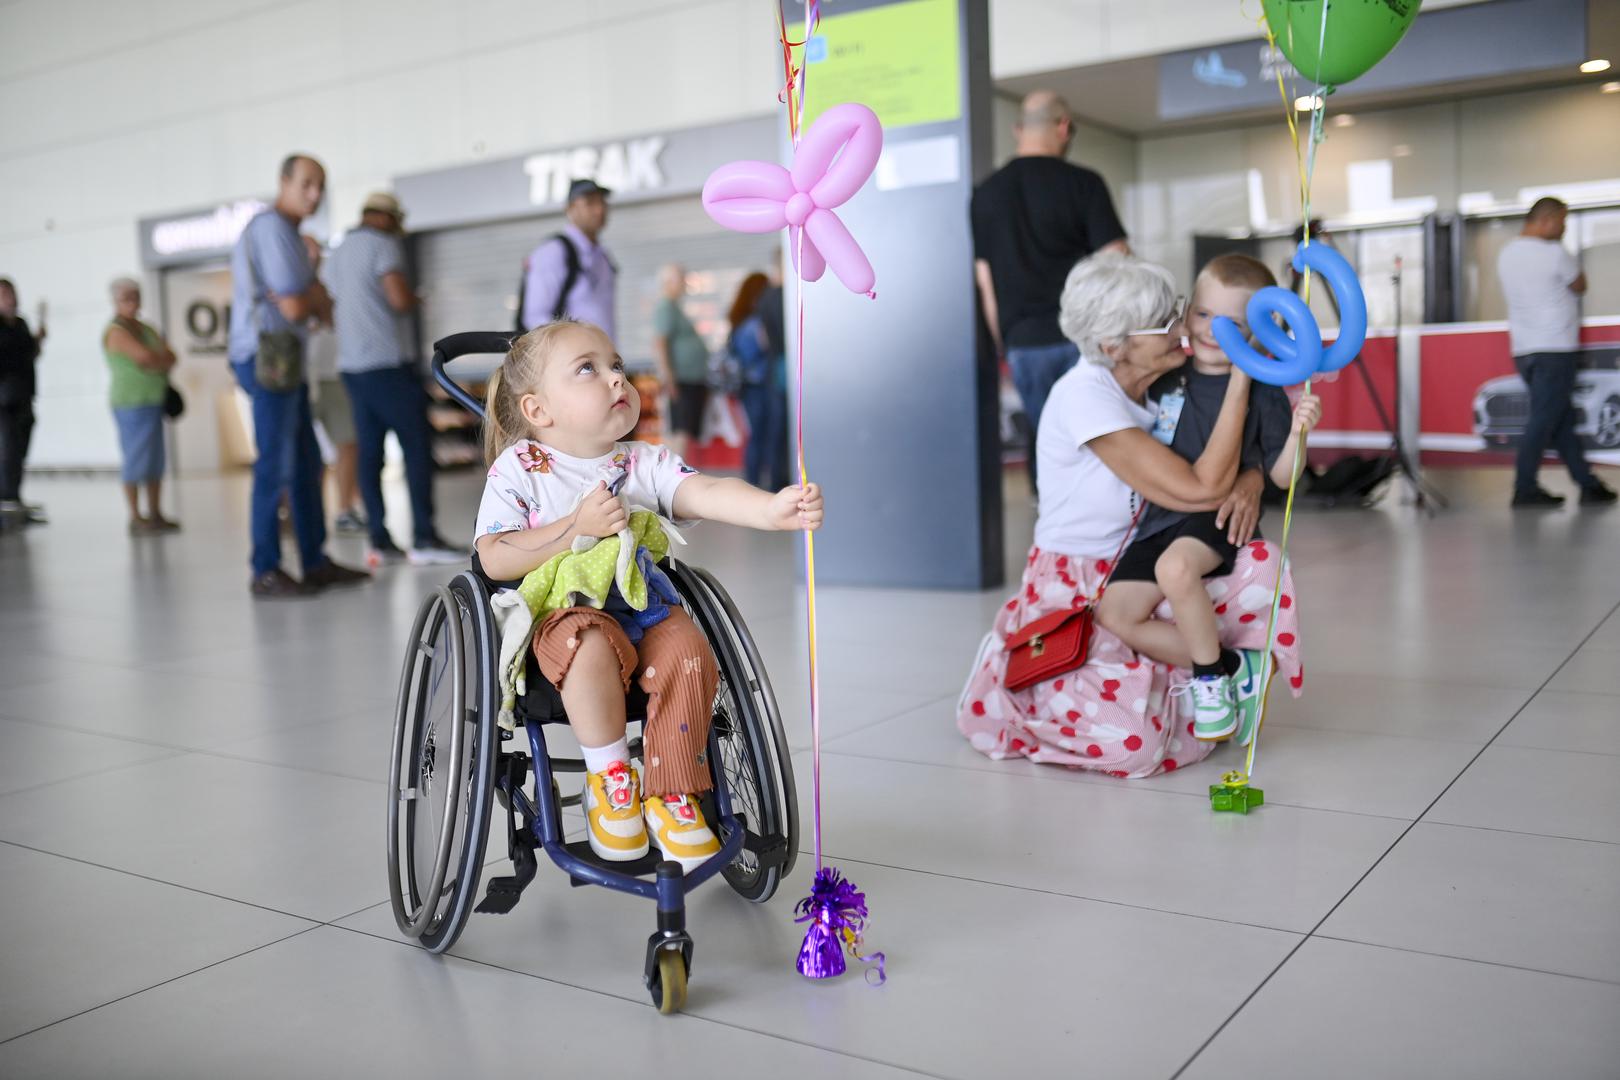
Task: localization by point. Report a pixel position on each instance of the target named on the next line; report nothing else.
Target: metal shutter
(471, 273)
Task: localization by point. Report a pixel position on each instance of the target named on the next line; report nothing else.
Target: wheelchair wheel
(441, 769)
(753, 747)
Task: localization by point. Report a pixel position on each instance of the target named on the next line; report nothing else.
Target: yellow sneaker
(678, 828)
(613, 823)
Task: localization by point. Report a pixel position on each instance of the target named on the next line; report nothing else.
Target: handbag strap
(1123, 544)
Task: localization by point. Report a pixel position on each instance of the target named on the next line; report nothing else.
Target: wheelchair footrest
(503, 893)
(645, 866)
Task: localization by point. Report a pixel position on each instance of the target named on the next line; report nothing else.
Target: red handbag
(1057, 643)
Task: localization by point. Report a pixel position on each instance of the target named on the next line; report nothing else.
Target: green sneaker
(1249, 682)
(1214, 715)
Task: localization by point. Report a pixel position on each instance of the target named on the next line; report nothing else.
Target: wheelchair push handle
(471, 343)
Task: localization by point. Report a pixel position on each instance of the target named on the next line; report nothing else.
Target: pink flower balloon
(831, 163)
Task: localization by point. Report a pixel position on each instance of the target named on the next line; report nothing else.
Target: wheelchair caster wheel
(669, 988)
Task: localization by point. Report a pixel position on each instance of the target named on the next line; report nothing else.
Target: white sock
(598, 758)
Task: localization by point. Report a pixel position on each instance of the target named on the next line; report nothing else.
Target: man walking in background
(570, 273)
(1543, 284)
(273, 294)
(1033, 219)
(373, 302)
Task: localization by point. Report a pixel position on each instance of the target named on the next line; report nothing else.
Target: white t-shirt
(1085, 508)
(531, 485)
(1543, 315)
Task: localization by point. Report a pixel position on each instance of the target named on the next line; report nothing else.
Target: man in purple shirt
(570, 273)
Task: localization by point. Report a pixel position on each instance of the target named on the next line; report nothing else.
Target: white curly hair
(1108, 295)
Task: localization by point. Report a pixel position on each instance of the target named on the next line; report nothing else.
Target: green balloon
(1359, 33)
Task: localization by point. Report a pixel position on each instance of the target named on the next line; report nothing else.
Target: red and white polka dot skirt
(1115, 713)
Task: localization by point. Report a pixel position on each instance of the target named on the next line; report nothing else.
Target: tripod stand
(1424, 496)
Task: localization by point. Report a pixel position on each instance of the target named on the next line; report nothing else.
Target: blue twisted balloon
(1298, 357)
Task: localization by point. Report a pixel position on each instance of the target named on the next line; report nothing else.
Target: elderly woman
(139, 361)
(1098, 463)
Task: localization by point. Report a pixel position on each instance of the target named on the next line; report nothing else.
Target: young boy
(1172, 552)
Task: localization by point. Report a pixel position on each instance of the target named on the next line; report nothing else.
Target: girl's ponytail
(498, 431)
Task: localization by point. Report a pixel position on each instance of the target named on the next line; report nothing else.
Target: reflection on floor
(191, 826)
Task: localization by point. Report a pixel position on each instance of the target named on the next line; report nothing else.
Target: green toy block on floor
(1235, 798)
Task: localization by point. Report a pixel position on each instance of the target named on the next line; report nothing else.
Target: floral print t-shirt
(531, 485)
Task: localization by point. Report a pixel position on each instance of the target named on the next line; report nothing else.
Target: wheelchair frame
(491, 771)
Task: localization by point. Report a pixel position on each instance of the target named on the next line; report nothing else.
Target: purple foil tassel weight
(836, 911)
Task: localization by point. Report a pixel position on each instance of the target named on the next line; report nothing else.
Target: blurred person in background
(138, 365)
(333, 416)
(19, 349)
(763, 374)
(1543, 285)
(274, 291)
(683, 360)
(373, 301)
(1033, 219)
(570, 273)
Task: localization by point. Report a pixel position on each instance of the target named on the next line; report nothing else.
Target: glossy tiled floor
(191, 825)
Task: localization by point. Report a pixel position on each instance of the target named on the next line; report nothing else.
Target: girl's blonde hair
(519, 374)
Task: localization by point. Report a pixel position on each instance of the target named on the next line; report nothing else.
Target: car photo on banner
(1502, 405)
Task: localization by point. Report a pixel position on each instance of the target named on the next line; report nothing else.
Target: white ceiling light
(1611, 88)
(1592, 67)
(1307, 103)
(1344, 120)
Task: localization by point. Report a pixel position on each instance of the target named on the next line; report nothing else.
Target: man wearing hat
(570, 273)
(372, 301)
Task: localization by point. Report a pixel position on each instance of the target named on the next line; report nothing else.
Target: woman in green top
(139, 361)
(683, 361)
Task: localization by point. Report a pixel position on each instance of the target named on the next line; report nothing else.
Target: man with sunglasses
(1033, 219)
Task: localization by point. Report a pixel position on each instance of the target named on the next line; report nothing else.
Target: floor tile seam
(1058, 893)
(1615, 982)
(1125, 785)
(1517, 832)
(165, 754)
(1457, 739)
(170, 754)
(1380, 860)
(216, 753)
(1553, 749)
(176, 749)
(159, 881)
(160, 984)
(639, 1001)
(870, 724)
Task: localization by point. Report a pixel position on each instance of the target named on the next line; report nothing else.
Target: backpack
(742, 361)
(747, 343)
(570, 279)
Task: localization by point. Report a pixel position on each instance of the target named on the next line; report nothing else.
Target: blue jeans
(765, 461)
(1035, 368)
(1551, 379)
(393, 399)
(289, 461)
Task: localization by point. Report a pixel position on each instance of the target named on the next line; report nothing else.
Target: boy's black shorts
(1140, 558)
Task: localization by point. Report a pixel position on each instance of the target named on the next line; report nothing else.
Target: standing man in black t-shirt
(1033, 219)
(19, 348)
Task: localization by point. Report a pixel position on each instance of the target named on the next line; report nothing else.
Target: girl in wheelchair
(560, 480)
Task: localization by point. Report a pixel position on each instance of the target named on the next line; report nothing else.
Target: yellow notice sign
(900, 60)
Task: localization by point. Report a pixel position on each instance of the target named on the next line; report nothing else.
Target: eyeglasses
(1177, 313)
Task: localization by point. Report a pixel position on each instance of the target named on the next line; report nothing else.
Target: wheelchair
(451, 763)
